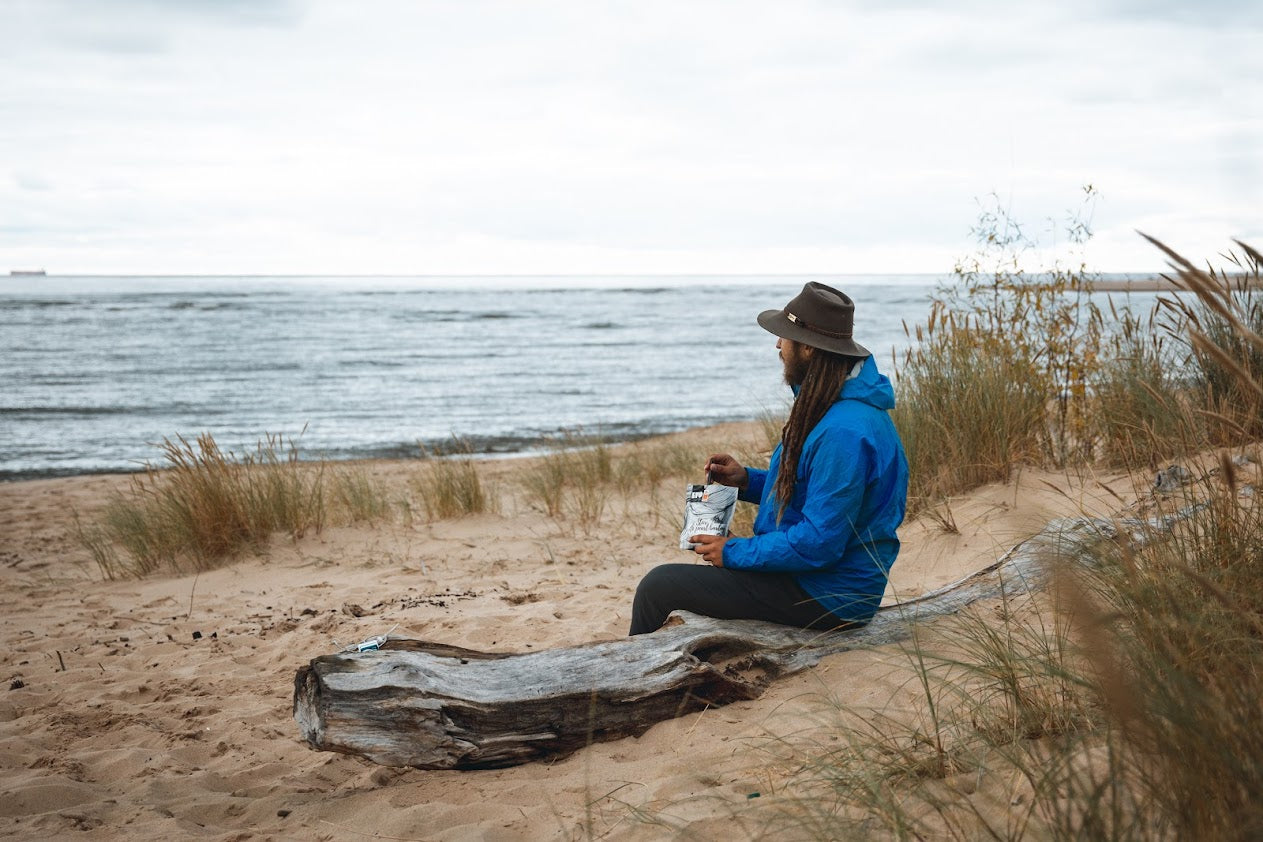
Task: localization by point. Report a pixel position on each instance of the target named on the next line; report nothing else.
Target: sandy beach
(160, 708)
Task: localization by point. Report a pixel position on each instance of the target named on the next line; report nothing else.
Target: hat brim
(776, 323)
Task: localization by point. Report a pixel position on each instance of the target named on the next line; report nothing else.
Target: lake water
(95, 371)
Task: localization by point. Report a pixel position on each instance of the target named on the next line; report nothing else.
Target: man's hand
(710, 547)
(725, 470)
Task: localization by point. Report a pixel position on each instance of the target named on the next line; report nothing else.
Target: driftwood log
(431, 706)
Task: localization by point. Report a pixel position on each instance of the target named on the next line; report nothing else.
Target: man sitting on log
(829, 503)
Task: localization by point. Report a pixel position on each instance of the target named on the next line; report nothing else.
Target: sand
(160, 708)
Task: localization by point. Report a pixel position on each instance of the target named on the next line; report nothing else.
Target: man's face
(794, 356)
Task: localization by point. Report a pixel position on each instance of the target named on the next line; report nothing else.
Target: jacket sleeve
(832, 492)
(753, 492)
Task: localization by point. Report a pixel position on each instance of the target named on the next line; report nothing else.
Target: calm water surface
(94, 371)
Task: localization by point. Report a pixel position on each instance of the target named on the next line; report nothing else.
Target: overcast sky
(580, 136)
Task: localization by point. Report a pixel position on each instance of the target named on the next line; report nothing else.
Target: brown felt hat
(819, 316)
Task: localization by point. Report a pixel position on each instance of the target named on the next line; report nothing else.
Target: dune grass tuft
(203, 505)
(571, 479)
(450, 485)
(966, 416)
(580, 477)
(360, 495)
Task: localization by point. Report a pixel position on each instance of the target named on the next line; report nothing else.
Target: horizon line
(44, 274)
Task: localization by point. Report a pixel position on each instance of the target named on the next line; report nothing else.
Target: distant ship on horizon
(27, 272)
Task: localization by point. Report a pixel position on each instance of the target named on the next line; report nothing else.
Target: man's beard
(796, 368)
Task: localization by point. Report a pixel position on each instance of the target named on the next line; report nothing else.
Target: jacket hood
(870, 386)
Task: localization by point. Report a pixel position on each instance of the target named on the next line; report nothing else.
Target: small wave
(36, 303)
(439, 316)
(85, 411)
(204, 306)
(369, 364)
(411, 316)
(55, 380)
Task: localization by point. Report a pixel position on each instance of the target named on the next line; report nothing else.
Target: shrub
(967, 412)
(1000, 372)
(1140, 407)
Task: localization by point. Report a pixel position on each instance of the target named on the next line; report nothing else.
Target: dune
(159, 708)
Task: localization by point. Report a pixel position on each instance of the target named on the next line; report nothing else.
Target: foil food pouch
(707, 511)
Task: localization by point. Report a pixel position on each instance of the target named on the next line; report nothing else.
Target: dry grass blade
(1177, 260)
(1253, 254)
(1212, 349)
(941, 513)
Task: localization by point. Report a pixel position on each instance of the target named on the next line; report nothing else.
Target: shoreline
(527, 449)
(737, 428)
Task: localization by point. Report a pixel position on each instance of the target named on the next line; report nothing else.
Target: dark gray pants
(726, 595)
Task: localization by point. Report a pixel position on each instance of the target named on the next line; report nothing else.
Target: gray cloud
(1208, 14)
(525, 134)
(133, 27)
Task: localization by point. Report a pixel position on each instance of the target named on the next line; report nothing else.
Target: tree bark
(431, 706)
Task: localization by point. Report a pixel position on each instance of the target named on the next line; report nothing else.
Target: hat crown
(822, 309)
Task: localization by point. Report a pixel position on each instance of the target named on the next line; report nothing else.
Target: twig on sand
(139, 620)
(695, 721)
(192, 591)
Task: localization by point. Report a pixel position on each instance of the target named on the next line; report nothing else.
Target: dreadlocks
(821, 386)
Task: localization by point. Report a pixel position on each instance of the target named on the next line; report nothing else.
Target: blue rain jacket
(837, 534)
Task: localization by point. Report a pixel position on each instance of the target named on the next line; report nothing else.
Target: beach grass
(580, 480)
(1128, 704)
(361, 496)
(1142, 402)
(201, 506)
(450, 485)
(968, 411)
(571, 480)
